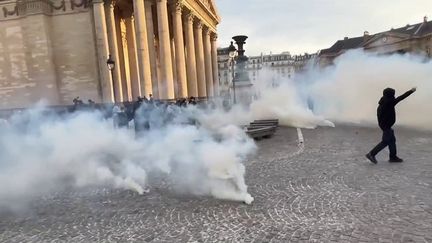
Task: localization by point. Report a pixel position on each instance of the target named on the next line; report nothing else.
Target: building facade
(58, 49)
(414, 39)
(281, 66)
(225, 74)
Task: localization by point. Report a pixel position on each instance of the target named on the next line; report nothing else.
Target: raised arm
(404, 96)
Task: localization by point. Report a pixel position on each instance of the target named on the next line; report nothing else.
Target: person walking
(386, 119)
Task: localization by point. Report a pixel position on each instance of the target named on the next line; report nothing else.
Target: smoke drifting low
(348, 92)
(42, 153)
(281, 99)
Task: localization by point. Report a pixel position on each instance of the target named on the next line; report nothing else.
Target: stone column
(102, 51)
(123, 57)
(174, 67)
(180, 51)
(113, 49)
(214, 64)
(208, 62)
(133, 58)
(165, 50)
(200, 65)
(142, 46)
(152, 49)
(192, 85)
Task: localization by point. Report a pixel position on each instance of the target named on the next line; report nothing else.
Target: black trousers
(388, 139)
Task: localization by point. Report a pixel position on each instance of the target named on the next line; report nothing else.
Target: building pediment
(212, 7)
(387, 38)
(205, 10)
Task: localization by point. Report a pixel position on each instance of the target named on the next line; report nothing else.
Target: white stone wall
(75, 57)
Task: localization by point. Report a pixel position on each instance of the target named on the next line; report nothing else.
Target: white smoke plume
(350, 90)
(42, 153)
(281, 99)
(346, 92)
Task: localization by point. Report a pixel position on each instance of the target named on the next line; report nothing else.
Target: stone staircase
(260, 129)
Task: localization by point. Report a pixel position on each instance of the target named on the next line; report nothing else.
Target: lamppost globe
(111, 66)
(110, 63)
(232, 51)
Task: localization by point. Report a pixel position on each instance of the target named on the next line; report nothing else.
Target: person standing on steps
(386, 119)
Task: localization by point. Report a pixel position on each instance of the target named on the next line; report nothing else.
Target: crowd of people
(145, 113)
(148, 113)
(142, 114)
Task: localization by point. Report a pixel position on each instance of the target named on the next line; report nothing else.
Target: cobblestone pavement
(325, 192)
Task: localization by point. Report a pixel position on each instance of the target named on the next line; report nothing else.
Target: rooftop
(410, 31)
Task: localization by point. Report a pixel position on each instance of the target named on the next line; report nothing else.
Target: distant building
(225, 72)
(416, 39)
(283, 65)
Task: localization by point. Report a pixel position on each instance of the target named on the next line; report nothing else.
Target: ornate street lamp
(111, 66)
(232, 53)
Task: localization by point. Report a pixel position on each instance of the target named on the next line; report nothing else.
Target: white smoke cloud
(42, 153)
(350, 90)
(347, 92)
(281, 99)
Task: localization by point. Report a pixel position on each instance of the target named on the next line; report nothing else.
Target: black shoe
(371, 158)
(395, 160)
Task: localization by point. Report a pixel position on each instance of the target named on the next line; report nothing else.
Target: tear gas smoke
(350, 90)
(347, 92)
(283, 101)
(41, 153)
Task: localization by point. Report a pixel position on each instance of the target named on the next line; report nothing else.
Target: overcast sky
(302, 26)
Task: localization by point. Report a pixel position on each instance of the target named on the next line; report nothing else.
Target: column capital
(178, 6)
(110, 3)
(206, 30)
(190, 17)
(213, 36)
(198, 24)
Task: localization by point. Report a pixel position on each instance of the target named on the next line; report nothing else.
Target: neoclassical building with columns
(58, 49)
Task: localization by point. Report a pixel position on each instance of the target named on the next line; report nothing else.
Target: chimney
(346, 38)
(425, 19)
(366, 36)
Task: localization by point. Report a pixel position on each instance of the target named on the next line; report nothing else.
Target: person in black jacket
(386, 119)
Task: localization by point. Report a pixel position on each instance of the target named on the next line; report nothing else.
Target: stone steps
(259, 129)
